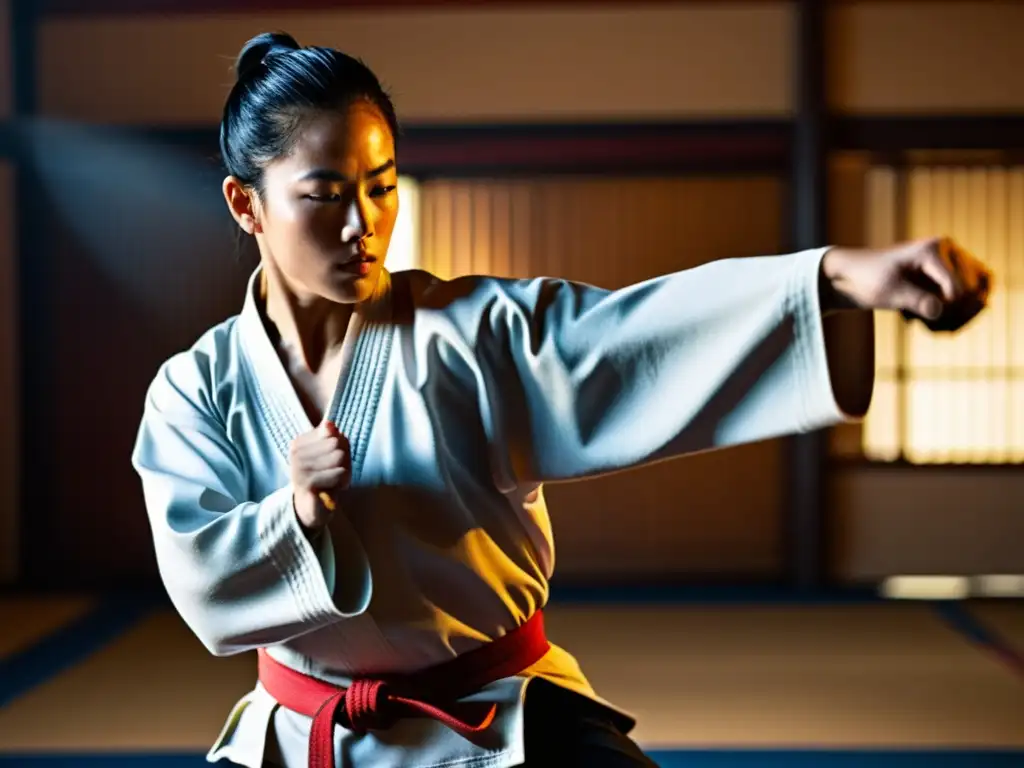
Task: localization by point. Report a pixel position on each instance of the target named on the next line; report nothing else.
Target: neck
(313, 326)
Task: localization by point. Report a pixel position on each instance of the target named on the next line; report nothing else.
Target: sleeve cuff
(818, 403)
(311, 570)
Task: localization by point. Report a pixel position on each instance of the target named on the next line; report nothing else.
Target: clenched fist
(934, 280)
(320, 467)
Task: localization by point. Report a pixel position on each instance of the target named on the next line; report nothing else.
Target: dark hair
(278, 83)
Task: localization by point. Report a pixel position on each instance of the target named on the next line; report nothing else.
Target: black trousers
(565, 730)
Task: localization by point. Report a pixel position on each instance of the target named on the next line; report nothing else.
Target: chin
(351, 289)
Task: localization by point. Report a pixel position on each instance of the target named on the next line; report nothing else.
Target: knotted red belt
(375, 704)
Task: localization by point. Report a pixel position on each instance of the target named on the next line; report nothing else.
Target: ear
(241, 204)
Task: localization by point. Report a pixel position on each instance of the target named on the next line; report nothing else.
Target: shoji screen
(959, 398)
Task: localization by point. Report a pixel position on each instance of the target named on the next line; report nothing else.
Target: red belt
(378, 702)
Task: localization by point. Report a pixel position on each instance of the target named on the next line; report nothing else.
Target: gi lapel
(364, 362)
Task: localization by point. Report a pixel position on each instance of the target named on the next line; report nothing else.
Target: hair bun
(258, 48)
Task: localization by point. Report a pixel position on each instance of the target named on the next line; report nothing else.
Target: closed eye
(376, 192)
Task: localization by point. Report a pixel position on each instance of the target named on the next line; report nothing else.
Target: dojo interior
(840, 599)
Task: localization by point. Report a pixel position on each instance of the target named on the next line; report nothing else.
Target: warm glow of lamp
(926, 588)
(404, 252)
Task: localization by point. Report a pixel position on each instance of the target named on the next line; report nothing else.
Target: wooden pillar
(805, 534)
(10, 364)
(34, 316)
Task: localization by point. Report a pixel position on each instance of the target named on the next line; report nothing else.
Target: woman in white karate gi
(347, 475)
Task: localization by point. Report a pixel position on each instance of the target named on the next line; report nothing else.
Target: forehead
(351, 140)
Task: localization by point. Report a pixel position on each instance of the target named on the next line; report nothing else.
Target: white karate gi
(456, 410)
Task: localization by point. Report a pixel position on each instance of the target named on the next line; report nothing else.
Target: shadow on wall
(142, 258)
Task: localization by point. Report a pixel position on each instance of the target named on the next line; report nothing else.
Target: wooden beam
(902, 133)
(690, 147)
(516, 150)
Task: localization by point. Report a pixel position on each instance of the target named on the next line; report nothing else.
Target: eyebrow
(327, 174)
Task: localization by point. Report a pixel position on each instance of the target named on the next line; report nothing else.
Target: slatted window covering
(951, 399)
(608, 231)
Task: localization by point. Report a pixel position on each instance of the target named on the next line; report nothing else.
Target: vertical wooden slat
(996, 231)
(549, 210)
(522, 229)
(480, 234)
(462, 234)
(427, 230)
(438, 247)
(918, 345)
(957, 434)
(981, 440)
(501, 230)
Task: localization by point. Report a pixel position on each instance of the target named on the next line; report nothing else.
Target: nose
(357, 224)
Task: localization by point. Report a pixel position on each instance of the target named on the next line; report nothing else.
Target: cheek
(386, 218)
(296, 222)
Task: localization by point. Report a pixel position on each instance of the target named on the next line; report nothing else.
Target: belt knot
(366, 706)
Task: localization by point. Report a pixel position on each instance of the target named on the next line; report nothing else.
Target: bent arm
(580, 381)
(242, 574)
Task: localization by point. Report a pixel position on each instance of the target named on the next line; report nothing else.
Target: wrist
(311, 531)
(836, 286)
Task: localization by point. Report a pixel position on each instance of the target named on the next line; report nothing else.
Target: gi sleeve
(579, 381)
(241, 573)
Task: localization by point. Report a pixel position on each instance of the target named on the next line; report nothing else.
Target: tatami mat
(1005, 618)
(155, 687)
(852, 676)
(26, 620)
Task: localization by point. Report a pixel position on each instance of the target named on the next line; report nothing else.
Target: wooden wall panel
(955, 520)
(927, 57)
(586, 63)
(495, 65)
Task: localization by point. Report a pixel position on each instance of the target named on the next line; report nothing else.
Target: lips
(359, 264)
(361, 258)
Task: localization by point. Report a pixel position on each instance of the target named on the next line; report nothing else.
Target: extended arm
(580, 381)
